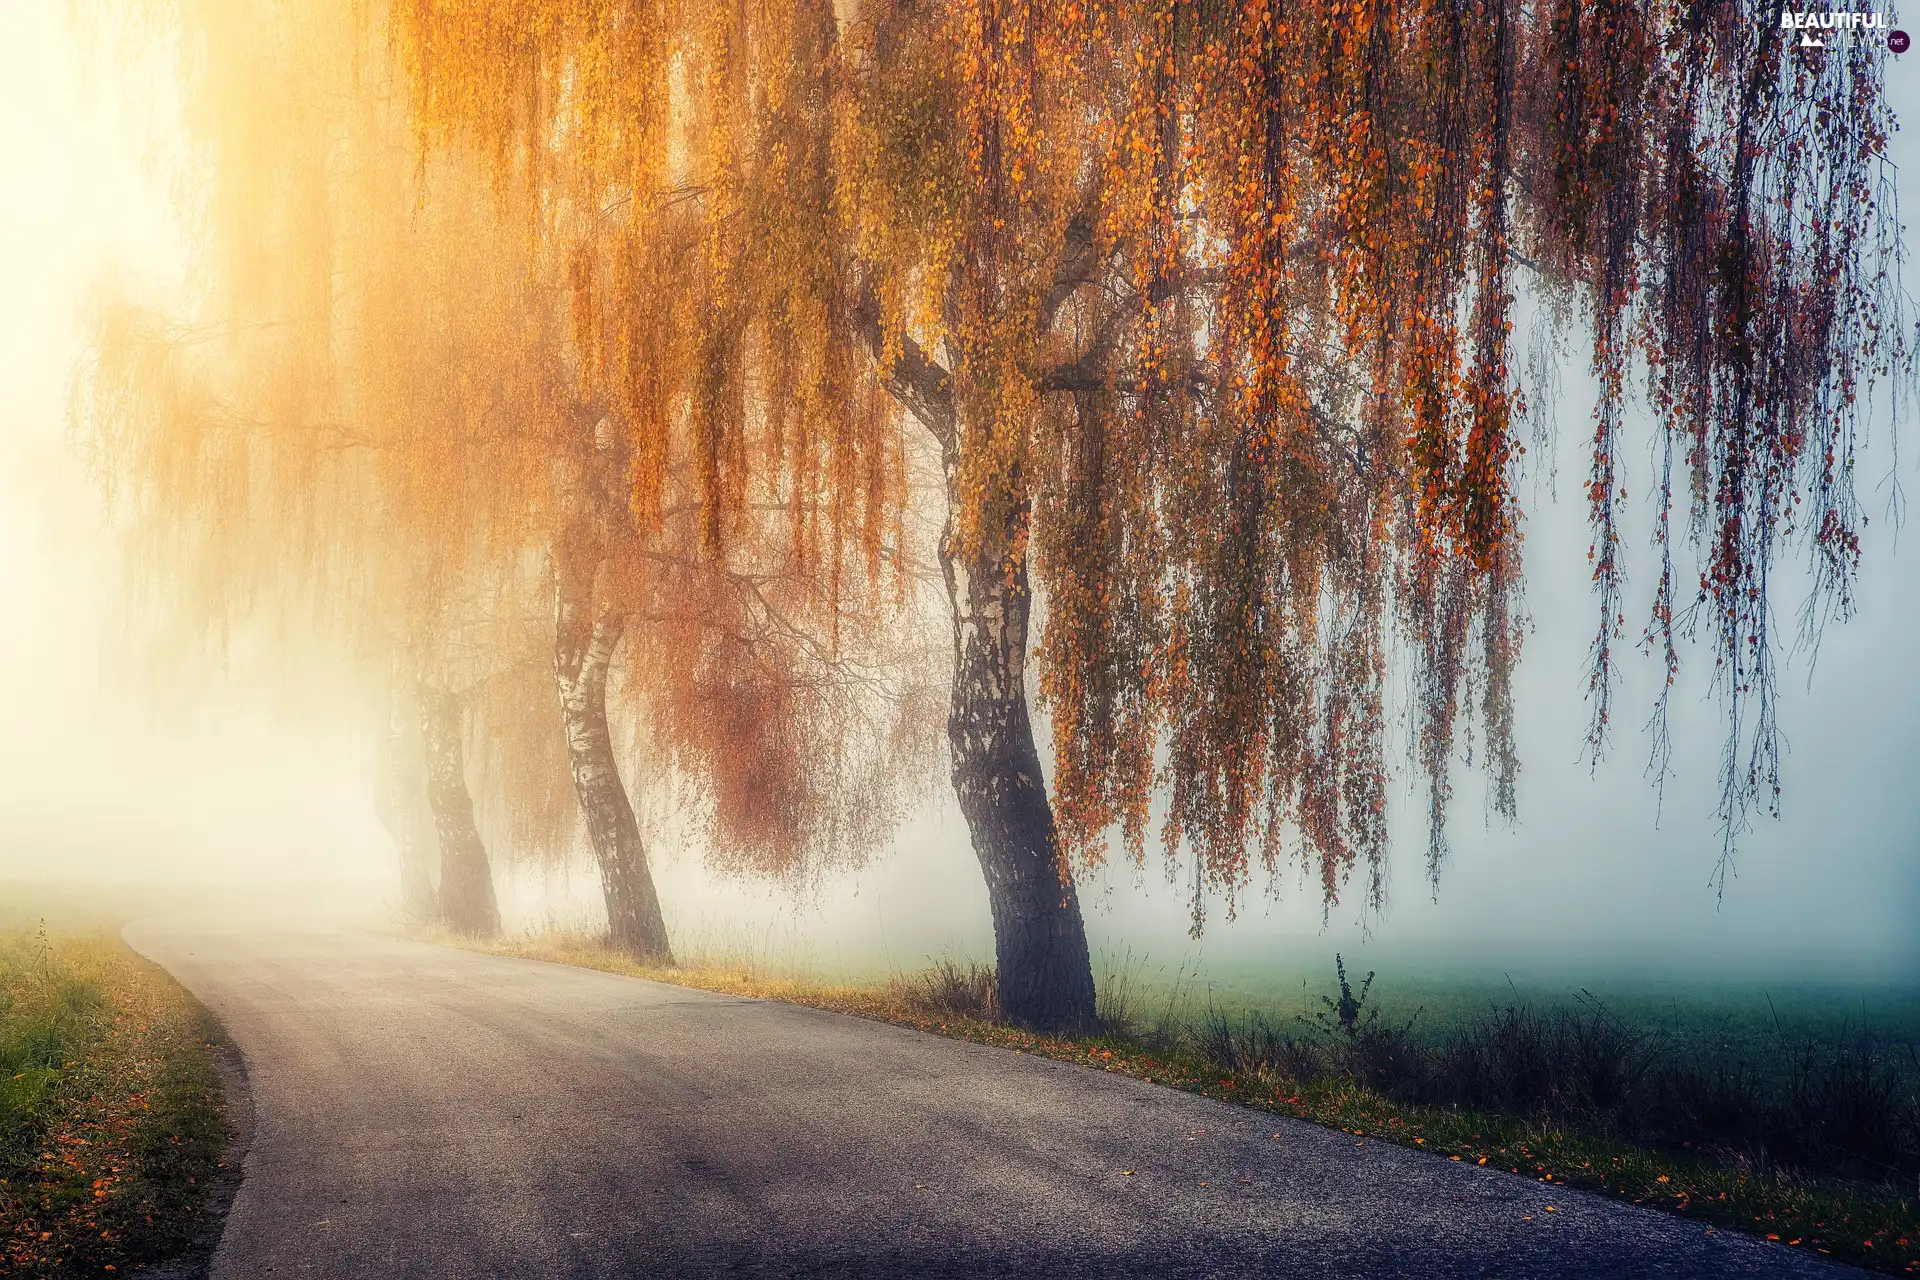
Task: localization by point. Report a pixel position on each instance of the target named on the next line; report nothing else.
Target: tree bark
(586, 633)
(466, 884)
(400, 800)
(1045, 975)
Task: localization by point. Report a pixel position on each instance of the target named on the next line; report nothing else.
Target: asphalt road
(426, 1112)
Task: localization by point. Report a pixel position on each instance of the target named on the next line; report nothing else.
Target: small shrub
(947, 988)
(1358, 1044)
(1606, 1060)
(1348, 1007)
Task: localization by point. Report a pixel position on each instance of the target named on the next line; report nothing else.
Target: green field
(1762, 1024)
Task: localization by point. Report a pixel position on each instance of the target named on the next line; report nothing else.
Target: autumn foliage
(413, 381)
(1208, 312)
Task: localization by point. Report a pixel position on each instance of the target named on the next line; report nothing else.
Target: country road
(427, 1112)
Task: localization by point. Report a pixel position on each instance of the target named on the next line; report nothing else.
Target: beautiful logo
(1812, 26)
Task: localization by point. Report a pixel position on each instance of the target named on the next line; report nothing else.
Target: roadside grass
(112, 1116)
(1821, 1152)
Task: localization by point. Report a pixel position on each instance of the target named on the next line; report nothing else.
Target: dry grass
(950, 992)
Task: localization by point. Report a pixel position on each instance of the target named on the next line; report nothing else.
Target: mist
(125, 766)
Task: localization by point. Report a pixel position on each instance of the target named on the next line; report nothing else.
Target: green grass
(1187, 1036)
(112, 1123)
(1758, 1023)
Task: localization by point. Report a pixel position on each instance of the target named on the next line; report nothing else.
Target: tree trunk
(400, 800)
(586, 633)
(466, 885)
(1045, 974)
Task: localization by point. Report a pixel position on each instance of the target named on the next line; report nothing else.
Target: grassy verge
(1870, 1221)
(112, 1124)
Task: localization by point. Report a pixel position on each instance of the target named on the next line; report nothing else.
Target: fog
(123, 767)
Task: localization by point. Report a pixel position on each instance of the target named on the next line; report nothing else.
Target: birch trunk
(586, 633)
(466, 884)
(1040, 942)
(1045, 976)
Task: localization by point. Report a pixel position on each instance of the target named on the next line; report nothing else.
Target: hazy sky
(100, 769)
(104, 774)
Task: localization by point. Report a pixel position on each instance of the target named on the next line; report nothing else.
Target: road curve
(427, 1112)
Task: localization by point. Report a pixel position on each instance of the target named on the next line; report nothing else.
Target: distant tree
(467, 900)
(729, 482)
(310, 453)
(400, 802)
